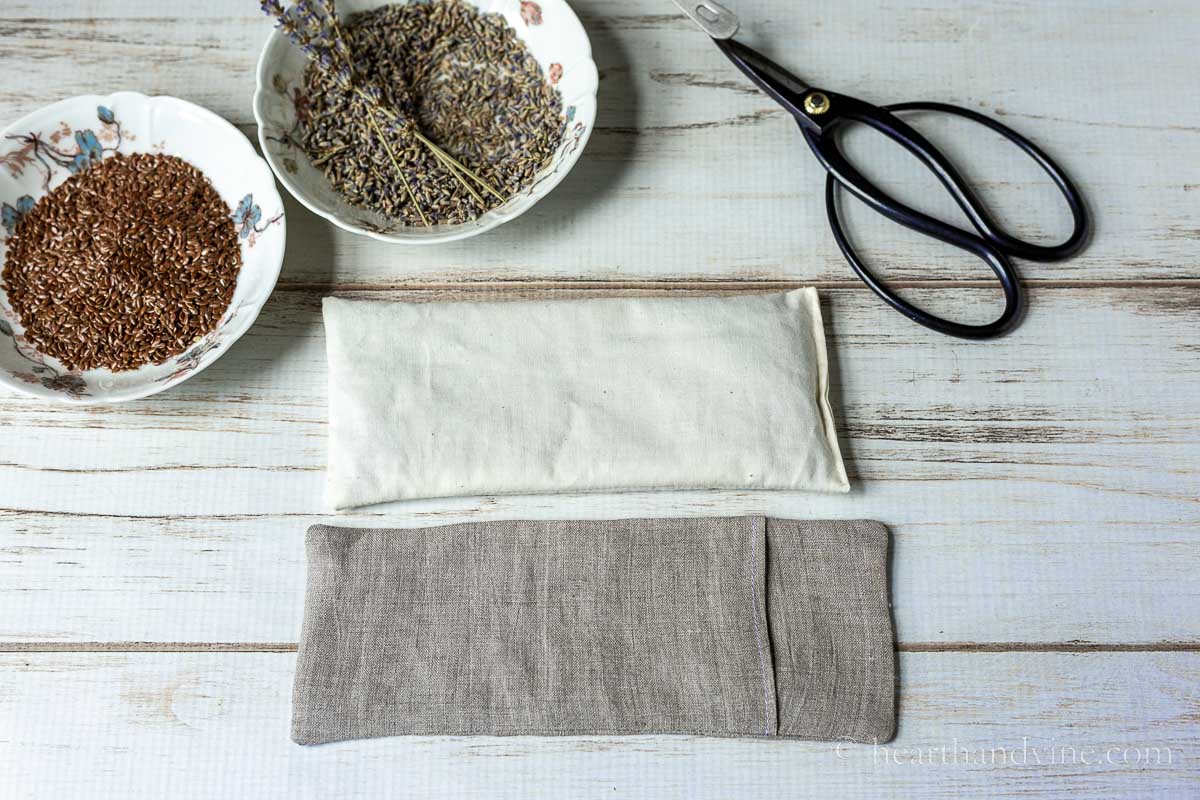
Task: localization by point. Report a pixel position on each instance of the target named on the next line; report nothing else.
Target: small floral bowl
(43, 149)
(553, 35)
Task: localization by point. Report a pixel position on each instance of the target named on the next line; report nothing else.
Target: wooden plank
(693, 175)
(197, 725)
(959, 578)
(1040, 488)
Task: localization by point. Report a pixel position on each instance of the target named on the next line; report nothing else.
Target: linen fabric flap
(467, 398)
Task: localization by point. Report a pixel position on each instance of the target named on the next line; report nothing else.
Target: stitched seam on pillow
(752, 565)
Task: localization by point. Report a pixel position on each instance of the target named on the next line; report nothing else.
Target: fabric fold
(828, 611)
(717, 626)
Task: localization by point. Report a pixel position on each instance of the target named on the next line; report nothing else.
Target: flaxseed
(126, 263)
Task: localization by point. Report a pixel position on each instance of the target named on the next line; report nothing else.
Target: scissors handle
(988, 242)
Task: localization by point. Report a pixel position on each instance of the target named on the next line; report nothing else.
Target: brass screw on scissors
(816, 103)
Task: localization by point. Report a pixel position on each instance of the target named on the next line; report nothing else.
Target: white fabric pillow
(469, 398)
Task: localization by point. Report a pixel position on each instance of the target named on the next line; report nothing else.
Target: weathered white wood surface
(1042, 489)
(693, 174)
(215, 725)
(1001, 469)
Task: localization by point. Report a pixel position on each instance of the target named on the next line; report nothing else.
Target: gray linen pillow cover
(446, 399)
(747, 627)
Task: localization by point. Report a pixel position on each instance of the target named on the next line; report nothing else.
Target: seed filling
(124, 264)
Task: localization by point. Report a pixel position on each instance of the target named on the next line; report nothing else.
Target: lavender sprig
(313, 26)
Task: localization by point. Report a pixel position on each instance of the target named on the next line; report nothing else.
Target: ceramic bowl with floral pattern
(43, 149)
(553, 34)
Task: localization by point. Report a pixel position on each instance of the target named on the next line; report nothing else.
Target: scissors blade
(713, 18)
(773, 79)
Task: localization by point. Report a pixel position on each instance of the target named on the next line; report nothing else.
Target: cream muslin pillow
(469, 398)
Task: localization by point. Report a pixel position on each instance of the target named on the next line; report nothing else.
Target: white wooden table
(1042, 489)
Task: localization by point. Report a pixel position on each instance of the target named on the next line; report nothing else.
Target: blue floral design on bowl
(48, 146)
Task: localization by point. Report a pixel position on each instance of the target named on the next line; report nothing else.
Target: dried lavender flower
(438, 71)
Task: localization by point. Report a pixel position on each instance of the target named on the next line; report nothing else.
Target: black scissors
(821, 113)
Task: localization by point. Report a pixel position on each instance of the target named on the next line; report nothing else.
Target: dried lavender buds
(464, 80)
(126, 263)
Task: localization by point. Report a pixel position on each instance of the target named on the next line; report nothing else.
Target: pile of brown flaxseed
(126, 263)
